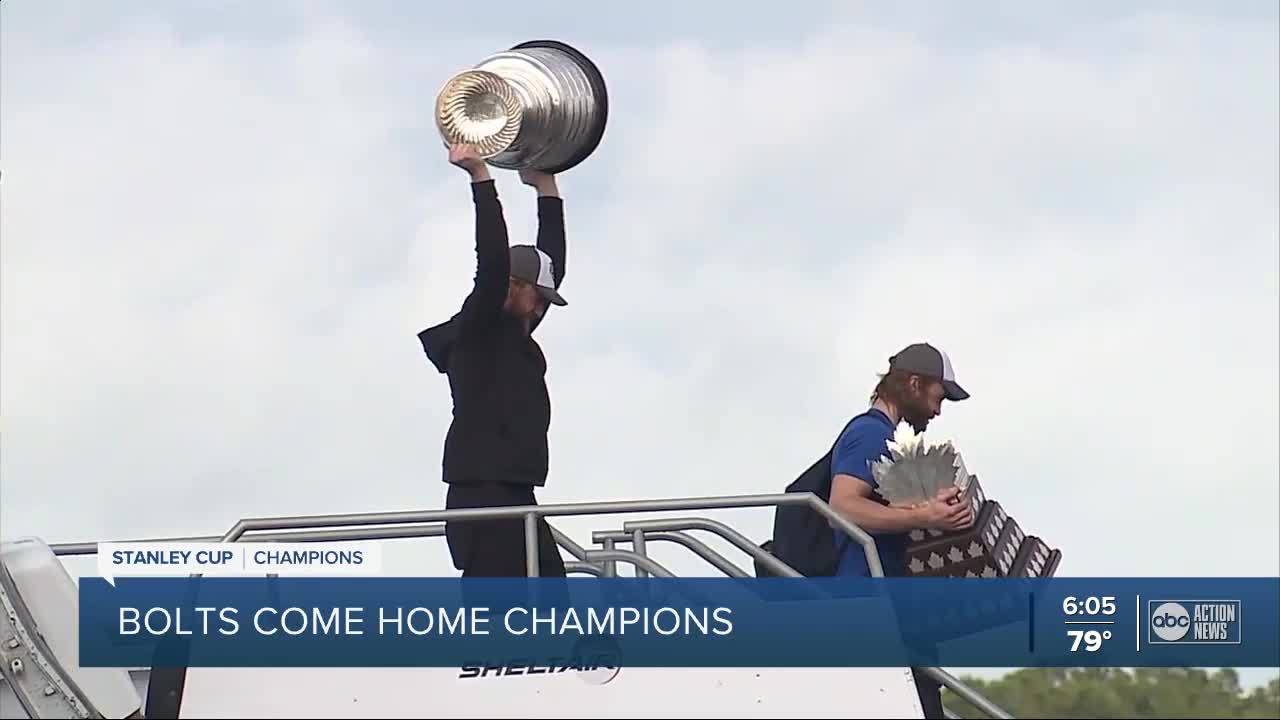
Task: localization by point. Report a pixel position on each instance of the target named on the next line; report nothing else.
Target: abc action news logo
(1204, 622)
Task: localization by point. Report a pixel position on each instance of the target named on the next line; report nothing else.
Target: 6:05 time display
(1091, 605)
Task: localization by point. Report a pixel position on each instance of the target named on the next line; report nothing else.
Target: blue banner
(680, 622)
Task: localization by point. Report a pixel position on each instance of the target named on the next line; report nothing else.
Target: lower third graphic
(1188, 622)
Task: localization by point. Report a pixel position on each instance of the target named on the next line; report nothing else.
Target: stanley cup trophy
(541, 105)
(994, 546)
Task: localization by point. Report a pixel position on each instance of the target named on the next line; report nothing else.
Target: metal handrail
(651, 566)
(703, 550)
(967, 693)
(577, 566)
(567, 543)
(733, 536)
(436, 529)
(532, 513)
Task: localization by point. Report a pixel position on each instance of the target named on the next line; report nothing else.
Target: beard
(917, 413)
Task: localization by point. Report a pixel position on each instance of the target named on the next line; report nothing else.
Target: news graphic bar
(346, 621)
(116, 560)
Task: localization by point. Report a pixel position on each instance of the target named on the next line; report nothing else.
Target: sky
(222, 226)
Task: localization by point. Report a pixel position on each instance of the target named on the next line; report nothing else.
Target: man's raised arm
(550, 220)
(483, 306)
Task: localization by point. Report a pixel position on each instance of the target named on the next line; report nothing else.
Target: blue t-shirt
(861, 444)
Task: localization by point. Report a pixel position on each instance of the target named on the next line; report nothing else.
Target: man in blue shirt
(920, 377)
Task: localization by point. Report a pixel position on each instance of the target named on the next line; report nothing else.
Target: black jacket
(497, 373)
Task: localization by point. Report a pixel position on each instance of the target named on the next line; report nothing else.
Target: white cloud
(216, 256)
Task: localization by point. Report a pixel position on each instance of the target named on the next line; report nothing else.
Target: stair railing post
(531, 543)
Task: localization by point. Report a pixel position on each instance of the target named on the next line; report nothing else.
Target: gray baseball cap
(530, 264)
(925, 359)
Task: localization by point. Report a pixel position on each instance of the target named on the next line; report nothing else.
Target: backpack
(803, 538)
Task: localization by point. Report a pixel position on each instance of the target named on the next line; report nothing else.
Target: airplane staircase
(55, 693)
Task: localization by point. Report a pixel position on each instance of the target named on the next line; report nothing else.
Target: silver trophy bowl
(541, 105)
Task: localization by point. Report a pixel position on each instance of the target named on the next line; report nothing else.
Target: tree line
(1121, 693)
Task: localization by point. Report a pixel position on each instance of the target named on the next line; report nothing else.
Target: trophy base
(599, 119)
(1035, 559)
(995, 546)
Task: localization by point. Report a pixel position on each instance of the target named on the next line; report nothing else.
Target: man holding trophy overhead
(496, 450)
(538, 108)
